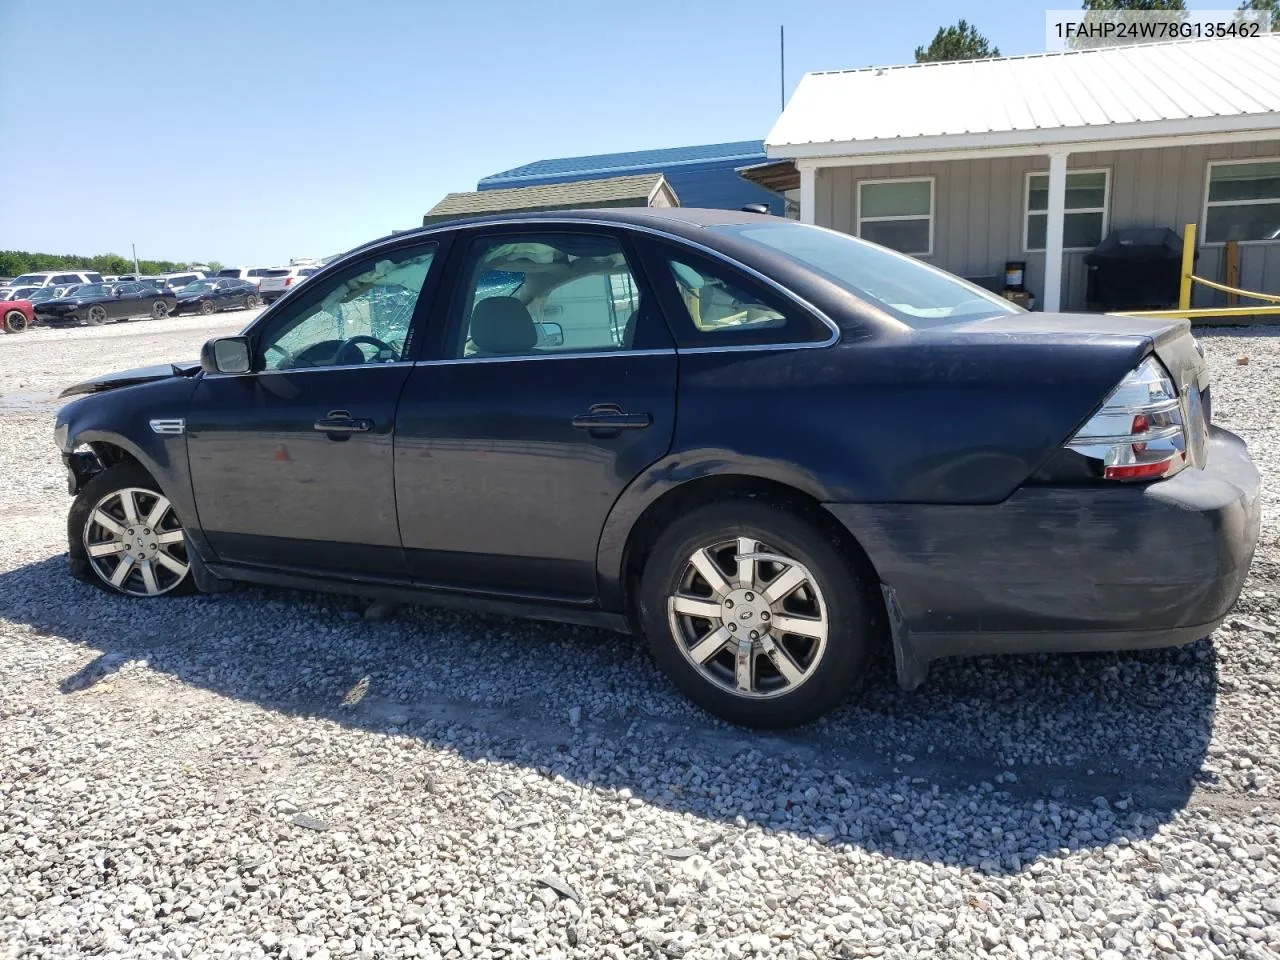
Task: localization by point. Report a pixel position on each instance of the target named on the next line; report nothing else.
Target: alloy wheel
(135, 542)
(748, 618)
(159, 309)
(97, 315)
(206, 307)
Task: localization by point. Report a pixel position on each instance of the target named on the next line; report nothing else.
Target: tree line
(16, 262)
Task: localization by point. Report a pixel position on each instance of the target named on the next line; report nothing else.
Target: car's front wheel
(756, 614)
(125, 537)
(206, 307)
(96, 316)
(15, 321)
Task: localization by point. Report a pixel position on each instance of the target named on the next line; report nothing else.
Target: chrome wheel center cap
(744, 611)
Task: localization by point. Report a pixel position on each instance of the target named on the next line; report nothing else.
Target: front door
(291, 464)
(552, 388)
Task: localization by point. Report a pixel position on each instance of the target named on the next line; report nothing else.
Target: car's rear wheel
(125, 537)
(206, 307)
(159, 310)
(755, 613)
(96, 316)
(251, 302)
(15, 321)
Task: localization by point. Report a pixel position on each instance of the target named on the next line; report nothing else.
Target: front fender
(122, 418)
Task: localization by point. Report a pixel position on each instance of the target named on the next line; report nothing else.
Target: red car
(18, 315)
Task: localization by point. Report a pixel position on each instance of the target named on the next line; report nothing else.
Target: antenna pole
(782, 67)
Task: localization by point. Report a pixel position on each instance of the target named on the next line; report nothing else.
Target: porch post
(1052, 299)
(808, 192)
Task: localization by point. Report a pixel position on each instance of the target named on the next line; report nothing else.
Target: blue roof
(702, 176)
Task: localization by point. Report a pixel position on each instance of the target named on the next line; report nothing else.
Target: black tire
(251, 302)
(15, 321)
(159, 310)
(207, 308)
(851, 632)
(95, 316)
(116, 478)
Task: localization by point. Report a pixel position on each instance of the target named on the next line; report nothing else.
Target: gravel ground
(278, 774)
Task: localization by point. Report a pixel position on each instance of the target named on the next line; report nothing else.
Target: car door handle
(343, 424)
(611, 417)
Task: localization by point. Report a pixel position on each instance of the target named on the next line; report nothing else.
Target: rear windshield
(275, 273)
(911, 292)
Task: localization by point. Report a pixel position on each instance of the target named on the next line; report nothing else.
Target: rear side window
(259, 272)
(95, 277)
(527, 295)
(67, 278)
(229, 272)
(710, 303)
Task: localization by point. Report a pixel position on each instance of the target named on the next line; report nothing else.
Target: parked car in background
(253, 275)
(96, 303)
(41, 294)
(56, 278)
(772, 449)
(20, 293)
(278, 281)
(16, 316)
(217, 293)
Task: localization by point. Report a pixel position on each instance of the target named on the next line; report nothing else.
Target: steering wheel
(287, 360)
(352, 342)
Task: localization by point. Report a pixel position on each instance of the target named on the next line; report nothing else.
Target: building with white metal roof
(972, 164)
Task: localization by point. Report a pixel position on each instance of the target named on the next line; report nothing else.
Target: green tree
(15, 262)
(959, 42)
(1134, 5)
(1264, 6)
(214, 265)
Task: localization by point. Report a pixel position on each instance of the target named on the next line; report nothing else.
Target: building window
(897, 214)
(1084, 223)
(1243, 201)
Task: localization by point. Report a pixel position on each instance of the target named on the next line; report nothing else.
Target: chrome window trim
(409, 239)
(563, 355)
(324, 369)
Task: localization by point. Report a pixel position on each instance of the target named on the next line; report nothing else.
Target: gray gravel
(275, 774)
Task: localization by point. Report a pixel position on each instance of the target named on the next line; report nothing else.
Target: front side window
(897, 214)
(68, 278)
(361, 315)
(129, 288)
(1243, 202)
(527, 296)
(914, 293)
(1084, 222)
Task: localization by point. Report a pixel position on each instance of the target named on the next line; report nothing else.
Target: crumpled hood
(129, 378)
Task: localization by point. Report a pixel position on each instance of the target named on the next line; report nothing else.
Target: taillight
(288, 281)
(1138, 433)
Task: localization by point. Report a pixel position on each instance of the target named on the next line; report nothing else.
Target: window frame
(342, 272)
(859, 219)
(651, 334)
(1105, 209)
(1204, 209)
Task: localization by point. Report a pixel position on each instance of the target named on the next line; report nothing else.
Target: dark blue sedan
(769, 448)
(216, 293)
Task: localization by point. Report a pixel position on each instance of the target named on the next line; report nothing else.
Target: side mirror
(226, 355)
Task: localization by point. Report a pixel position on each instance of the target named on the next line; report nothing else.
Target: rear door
(551, 387)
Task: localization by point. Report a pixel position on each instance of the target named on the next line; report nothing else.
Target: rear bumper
(1069, 568)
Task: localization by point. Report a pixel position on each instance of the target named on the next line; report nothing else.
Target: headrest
(502, 325)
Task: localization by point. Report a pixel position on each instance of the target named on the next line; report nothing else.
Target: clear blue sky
(252, 132)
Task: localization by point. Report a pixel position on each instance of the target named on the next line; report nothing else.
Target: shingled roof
(640, 190)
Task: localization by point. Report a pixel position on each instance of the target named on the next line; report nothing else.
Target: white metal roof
(1189, 87)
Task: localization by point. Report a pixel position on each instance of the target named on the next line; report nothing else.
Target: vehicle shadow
(1075, 751)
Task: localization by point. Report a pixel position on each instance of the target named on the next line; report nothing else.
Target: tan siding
(979, 210)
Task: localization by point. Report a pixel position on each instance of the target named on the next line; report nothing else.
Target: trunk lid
(1170, 337)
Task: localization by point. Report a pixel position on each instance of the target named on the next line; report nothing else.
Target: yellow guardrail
(1184, 308)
